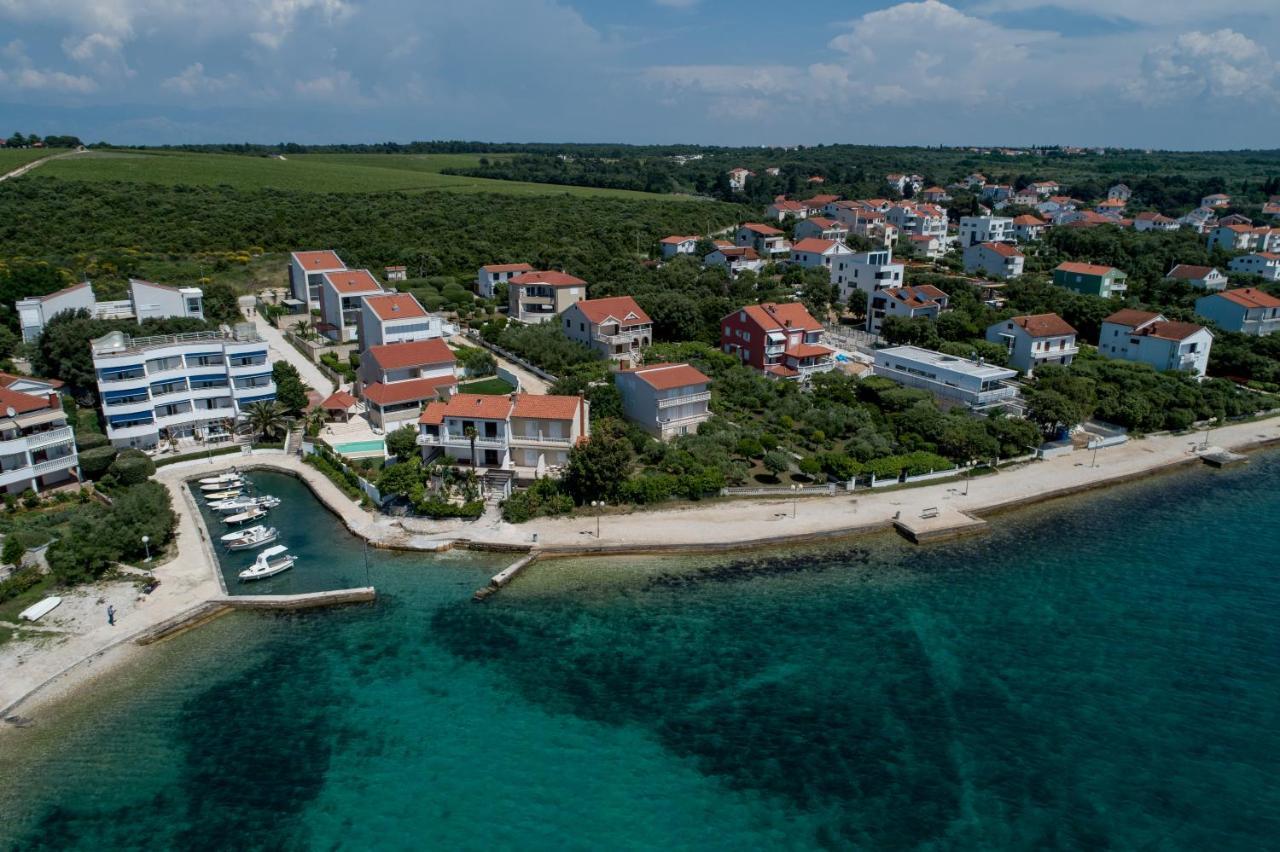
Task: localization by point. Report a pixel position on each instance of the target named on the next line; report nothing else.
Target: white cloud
(1160, 13)
(193, 81)
(25, 76)
(1220, 64)
(339, 87)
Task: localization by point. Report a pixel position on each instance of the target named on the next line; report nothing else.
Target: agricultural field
(12, 158)
(364, 173)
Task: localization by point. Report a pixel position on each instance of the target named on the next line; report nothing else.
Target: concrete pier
(505, 576)
(209, 610)
(1223, 458)
(938, 524)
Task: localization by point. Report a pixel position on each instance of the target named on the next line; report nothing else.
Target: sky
(1179, 74)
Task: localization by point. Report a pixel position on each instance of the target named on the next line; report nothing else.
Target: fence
(509, 377)
(511, 356)
(825, 489)
(366, 487)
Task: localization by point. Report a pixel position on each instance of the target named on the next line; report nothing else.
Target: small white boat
(244, 503)
(35, 612)
(251, 537)
(224, 495)
(223, 485)
(245, 517)
(270, 562)
(229, 476)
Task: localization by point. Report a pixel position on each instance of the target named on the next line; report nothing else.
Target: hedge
(442, 509)
(94, 463)
(132, 467)
(220, 451)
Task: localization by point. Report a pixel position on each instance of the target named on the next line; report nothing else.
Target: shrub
(19, 582)
(13, 549)
(132, 467)
(434, 508)
(91, 441)
(95, 462)
(542, 498)
(30, 499)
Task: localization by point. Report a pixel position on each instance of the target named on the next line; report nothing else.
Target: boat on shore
(245, 503)
(254, 514)
(250, 537)
(37, 611)
(270, 562)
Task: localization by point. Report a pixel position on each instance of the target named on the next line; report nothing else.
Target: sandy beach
(76, 644)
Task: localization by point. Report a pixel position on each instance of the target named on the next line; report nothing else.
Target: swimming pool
(361, 447)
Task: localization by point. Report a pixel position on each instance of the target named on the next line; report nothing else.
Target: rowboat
(37, 611)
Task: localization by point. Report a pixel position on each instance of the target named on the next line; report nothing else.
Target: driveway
(279, 350)
(529, 383)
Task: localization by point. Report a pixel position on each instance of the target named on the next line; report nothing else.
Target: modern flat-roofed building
(147, 300)
(306, 271)
(341, 302)
(534, 297)
(37, 447)
(666, 400)
(974, 383)
(179, 385)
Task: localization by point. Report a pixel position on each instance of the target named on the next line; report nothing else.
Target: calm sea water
(1100, 673)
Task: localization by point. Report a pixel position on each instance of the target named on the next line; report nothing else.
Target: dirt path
(23, 169)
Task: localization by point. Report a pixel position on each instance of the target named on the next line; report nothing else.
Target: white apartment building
(1149, 338)
(615, 327)
(1035, 339)
(1204, 277)
(529, 435)
(767, 240)
(146, 300)
(341, 302)
(489, 277)
(538, 296)
(870, 271)
(1246, 310)
(395, 318)
(1151, 221)
(179, 385)
(974, 383)
(677, 245)
(923, 300)
(735, 258)
(918, 220)
(829, 254)
(822, 228)
(306, 273)
(1027, 228)
(666, 400)
(1265, 264)
(985, 229)
(999, 260)
(37, 447)
(158, 301)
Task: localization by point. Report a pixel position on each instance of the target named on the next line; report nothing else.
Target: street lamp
(794, 489)
(146, 543)
(598, 505)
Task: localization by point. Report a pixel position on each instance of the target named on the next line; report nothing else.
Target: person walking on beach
(111, 615)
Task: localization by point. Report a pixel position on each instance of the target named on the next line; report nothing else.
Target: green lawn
(9, 609)
(493, 386)
(306, 173)
(11, 158)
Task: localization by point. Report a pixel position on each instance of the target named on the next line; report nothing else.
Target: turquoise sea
(1099, 673)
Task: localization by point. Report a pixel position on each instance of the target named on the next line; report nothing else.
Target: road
(278, 349)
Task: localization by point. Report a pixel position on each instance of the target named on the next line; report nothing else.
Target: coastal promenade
(86, 645)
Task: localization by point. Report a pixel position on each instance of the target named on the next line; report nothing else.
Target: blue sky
(1147, 73)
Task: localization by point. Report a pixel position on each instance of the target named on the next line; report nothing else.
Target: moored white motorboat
(250, 537)
(245, 517)
(270, 562)
(224, 484)
(229, 476)
(244, 503)
(224, 495)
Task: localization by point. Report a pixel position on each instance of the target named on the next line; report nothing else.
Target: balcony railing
(50, 465)
(460, 441)
(41, 440)
(540, 441)
(672, 401)
(1041, 354)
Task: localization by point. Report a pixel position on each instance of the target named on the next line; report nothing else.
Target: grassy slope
(306, 172)
(11, 159)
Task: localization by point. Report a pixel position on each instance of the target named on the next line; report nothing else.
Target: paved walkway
(278, 349)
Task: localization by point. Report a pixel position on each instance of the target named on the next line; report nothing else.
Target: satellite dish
(10, 412)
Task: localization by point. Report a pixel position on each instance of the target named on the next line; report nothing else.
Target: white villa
(666, 400)
(529, 435)
(615, 327)
(1149, 338)
(1035, 339)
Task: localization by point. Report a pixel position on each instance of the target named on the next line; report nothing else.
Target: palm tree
(303, 329)
(266, 419)
(471, 435)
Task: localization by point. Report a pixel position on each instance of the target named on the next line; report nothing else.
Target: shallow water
(1095, 673)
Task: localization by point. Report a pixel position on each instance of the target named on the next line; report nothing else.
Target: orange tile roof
(1084, 268)
(546, 407)
(478, 406)
(351, 281)
(22, 403)
(1043, 325)
(390, 393)
(551, 278)
(621, 308)
(339, 399)
(762, 230)
(808, 350)
(827, 224)
(675, 240)
(821, 200)
(770, 316)
(1170, 330)
(1188, 272)
(813, 244)
(433, 414)
(1003, 249)
(1131, 317)
(319, 261)
(668, 376)
(394, 306)
(507, 267)
(1027, 219)
(1250, 297)
(398, 356)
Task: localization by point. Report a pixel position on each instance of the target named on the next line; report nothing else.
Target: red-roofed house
(1149, 220)
(1149, 338)
(780, 340)
(1027, 228)
(306, 271)
(1246, 310)
(831, 254)
(785, 209)
(615, 327)
(396, 379)
(341, 296)
(39, 448)
(538, 296)
(1035, 339)
(1263, 263)
(923, 300)
(736, 258)
(674, 245)
(765, 239)
(1091, 279)
(395, 318)
(738, 178)
(493, 274)
(999, 260)
(822, 228)
(666, 400)
(1215, 201)
(524, 433)
(818, 203)
(1204, 277)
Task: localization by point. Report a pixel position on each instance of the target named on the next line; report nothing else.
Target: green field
(492, 386)
(12, 158)
(305, 172)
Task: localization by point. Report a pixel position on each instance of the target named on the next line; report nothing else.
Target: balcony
(41, 440)
(50, 465)
(700, 417)
(459, 440)
(1046, 354)
(626, 338)
(539, 441)
(673, 401)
